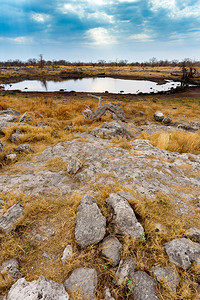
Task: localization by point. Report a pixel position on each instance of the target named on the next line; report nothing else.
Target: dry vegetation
(60, 212)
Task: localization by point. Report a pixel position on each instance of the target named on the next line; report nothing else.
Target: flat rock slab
(84, 280)
(90, 223)
(124, 216)
(144, 287)
(182, 252)
(8, 220)
(111, 249)
(169, 275)
(42, 288)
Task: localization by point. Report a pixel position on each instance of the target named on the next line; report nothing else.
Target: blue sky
(91, 30)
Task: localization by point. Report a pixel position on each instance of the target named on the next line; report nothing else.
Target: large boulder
(124, 217)
(8, 220)
(182, 252)
(84, 280)
(111, 249)
(42, 289)
(144, 287)
(90, 223)
(158, 116)
(169, 275)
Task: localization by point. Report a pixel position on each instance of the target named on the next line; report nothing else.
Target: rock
(41, 124)
(16, 135)
(11, 266)
(124, 216)
(90, 223)
(10, 111)
(25, 118)
(10, 158)
(42, 288)
(107, 295)
(111, 249)
(7, 118)
(112, 130)
(83, 279)
(8, 220)
(158, 116)
(167, 120)
(113, 108)
(125, 271)
(67, 253)
(24, 148)
(169, 275)
(86, 113)
(74, 165)
(182, 252)
(54, 134)
(1, 146)
(193, 234)
(144, 287)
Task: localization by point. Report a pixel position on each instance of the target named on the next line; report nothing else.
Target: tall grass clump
(177, 141)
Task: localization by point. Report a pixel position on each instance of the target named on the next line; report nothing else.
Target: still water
(95, 85)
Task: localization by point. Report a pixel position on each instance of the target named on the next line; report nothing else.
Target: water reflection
(98, 85)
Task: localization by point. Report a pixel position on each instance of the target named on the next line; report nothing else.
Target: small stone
(124, 216)
(158, 116)
(42, 288)
(10, 217)
(167, 120)
(90, 223)
(169, 275)
(67, 253)
(24, 148)
(84, 280)
(111, 249)
(25, 118)
(74, 165)
(144, 287)
(125, 271)
(16, 135)
(182, 252)
(41, 124)
(193, 234)
(11, 266)
(10, 157)
(108, 295)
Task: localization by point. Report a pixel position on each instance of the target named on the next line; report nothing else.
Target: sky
(93, 30)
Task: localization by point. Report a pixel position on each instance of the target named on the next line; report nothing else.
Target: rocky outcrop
(84, 280)
(111, 249)
(16, 135)
(24, 148)
(112, 129)
(158, 116)
(124, 216)
(90, 223)
(144, 287)
(182, 252)
(42, 288)
(169, 275)
(8, 220)
(10, 111)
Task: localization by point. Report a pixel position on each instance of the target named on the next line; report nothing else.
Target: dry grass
(177, 141)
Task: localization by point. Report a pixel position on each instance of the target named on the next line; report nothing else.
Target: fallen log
(114, 108)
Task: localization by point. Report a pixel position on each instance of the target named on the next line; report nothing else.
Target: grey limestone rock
(111, 249)
(144, 287)
(74, 165)
(182, 252)
(112, 129)
(11, 266)
(194, 234)
(108, 295)
(41, 124)
(167, 120)
(169, 275)
(90, 223)
(67, 253)
(24, 148)
(43, 289)
(124, 216)
(10, 157)
(25, 118)
(7, 118)
(125, 271)
(158, 116)
(16, 135)
(8, 220)
(10, 111)
(84, 280)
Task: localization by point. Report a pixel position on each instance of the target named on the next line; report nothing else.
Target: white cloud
(40, 18)
(101, 16)
(142, 37)
(21, 40)
(100, 36)
(129, 1)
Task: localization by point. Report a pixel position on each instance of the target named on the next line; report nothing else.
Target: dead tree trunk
(114, 108)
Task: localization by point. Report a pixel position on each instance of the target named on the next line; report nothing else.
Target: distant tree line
(153, 62)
